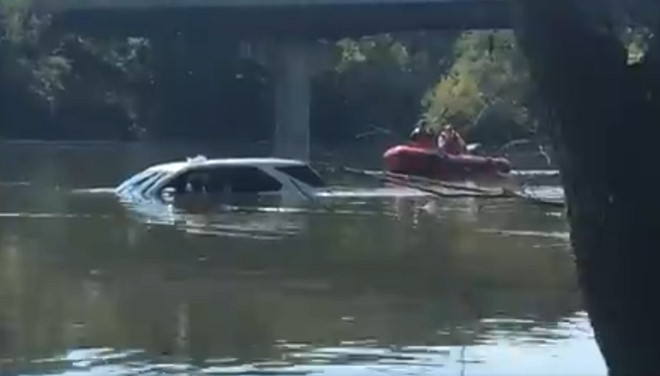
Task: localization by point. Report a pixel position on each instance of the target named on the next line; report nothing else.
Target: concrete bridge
(309, 18)
(291, 23)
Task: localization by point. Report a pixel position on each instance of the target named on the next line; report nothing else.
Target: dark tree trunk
(604, 123)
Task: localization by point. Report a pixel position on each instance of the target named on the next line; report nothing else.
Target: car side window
(253, 180)
(303, 173)
(194, 181)
(224, 179)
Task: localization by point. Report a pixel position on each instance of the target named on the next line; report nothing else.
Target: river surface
(375, 281)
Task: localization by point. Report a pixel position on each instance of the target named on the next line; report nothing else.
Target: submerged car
(199, 175)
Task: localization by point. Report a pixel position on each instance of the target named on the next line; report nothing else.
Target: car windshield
(149, 183)
(138, 179)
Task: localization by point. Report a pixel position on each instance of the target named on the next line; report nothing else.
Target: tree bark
(604, 119)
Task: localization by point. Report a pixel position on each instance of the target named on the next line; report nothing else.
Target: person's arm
(460, 142)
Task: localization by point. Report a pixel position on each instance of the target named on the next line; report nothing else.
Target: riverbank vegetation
(58, 85)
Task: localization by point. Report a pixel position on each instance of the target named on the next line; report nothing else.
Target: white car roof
(203, 162)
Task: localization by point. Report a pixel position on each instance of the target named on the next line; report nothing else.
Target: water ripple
(563, 346)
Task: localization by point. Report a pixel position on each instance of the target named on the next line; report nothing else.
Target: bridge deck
(276, 18)
(63, 5)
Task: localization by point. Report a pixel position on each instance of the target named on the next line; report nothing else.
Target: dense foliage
(487, 92)
(378, 83)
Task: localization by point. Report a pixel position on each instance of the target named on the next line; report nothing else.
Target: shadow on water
(393, 284)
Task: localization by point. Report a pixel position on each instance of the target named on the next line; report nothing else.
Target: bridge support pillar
(292, 101)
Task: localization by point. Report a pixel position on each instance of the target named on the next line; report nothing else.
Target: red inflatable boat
(427, 162)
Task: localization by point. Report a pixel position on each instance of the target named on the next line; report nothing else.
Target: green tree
(378, 81)
(60, 84)
(487, 92)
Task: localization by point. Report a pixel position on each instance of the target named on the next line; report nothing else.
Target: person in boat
(423, 137)
(451, 142)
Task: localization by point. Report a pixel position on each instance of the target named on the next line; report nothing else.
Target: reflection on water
(523, 349)
(366, 283)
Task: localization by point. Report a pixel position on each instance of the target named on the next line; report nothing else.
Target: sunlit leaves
(488, 74)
